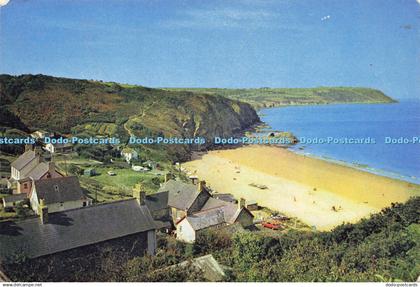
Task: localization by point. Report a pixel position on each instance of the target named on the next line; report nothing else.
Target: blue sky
(238, 43)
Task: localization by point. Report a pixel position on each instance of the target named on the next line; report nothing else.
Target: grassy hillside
(270, 97)
(83, 107)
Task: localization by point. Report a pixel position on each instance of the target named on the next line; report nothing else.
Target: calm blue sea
(356, 122)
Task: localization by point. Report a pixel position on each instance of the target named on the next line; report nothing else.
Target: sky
(219, 43)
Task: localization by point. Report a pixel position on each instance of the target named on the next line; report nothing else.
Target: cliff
(271, 97)
(84, 107)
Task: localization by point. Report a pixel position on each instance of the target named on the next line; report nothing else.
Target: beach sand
(298, 185)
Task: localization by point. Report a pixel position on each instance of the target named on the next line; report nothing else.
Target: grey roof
(204, 219)
(14, 197)
(24, 159)
(157, 201)
(38, 171)
(213, 203)
(225, 197)
(74, 228)
(181, 195)
(60, 189)
(215, 212)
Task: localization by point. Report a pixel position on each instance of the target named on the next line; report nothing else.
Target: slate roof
(204, 219)
(60, 189)
(215, 212)
(225, 197)
(213, 203)
(157, 201)
(38, 171)
(74, 228)
(181, 195)
(24, 159)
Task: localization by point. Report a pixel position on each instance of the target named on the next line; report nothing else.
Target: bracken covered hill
(30, 102)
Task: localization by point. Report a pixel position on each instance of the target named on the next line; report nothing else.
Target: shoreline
(265, 127)
(361, 167)
(318, 192)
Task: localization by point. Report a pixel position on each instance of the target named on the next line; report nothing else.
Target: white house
(215, 215)
(58, 194)
(129, 154)
(59, 148)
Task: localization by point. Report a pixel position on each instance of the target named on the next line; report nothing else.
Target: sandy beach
(320, 193)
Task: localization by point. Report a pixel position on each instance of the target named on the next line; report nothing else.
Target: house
(184, 198)
(192, 208)
(41, 134)
(28, 167)
(150, 164)
(59, 148)
(77, 228)
(129, 154)
(215, 214)
(12, 201)
(58, 194)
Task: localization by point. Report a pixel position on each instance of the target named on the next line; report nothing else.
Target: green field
(271, 97)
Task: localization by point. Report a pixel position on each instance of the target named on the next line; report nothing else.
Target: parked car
(111, 173)
(272, 226)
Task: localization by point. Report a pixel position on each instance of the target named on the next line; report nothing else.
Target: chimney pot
(201, 185)
(142, 199)
(43, 212)
(241, 203)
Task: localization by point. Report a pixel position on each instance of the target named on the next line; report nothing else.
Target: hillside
(84, 107)
(270, 97)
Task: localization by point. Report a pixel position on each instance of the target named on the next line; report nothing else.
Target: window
(25, 185)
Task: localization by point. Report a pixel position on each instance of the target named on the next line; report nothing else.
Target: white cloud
(3, 2)
(222, 18)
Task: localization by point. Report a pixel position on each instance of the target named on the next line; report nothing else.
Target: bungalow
(58, 194)
(59, 148)
(129, 154)
(78, 228)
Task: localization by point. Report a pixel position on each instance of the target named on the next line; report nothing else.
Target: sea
(380, 138)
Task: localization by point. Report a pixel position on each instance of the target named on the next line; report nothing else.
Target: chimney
(194, 179)
(51, 168)
(139, 194)
(201, 185)
(43, 212)
(142, 200)
(241, 203)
